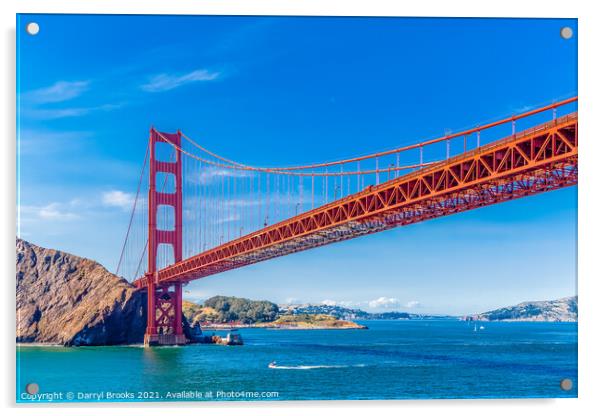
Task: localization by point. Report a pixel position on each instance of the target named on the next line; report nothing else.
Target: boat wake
(311, 367)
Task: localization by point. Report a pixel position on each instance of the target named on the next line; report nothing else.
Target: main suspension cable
(392, 151)
(280, 171)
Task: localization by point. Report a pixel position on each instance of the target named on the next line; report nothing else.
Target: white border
(590, 230)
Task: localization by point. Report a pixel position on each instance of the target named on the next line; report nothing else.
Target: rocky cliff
(559, 310)
(70, 300)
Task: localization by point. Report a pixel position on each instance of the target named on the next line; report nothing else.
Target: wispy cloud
(413, 304)
(55, 113)
(166, 82)
(55, 211)
(34, 141)
(118, 199)
(92, 206)
(57, 92)
(230, 218)
(522, 109)
(50, 102)
(211, 174)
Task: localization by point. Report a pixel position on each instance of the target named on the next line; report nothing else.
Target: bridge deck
(536, 160)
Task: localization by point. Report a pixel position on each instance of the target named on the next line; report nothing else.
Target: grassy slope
(311, 321)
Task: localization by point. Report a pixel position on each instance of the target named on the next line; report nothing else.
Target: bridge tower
(164, 301)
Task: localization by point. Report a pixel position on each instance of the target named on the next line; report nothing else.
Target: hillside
(310, 321)
(198, 313)
(559, 310)
(70, 300)
(226, 309)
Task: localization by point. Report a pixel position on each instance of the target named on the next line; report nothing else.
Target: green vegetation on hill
(223, 309)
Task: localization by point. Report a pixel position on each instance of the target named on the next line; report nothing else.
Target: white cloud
(211, 174)
(292, 301)
(348, 304)
(118, 199)
(166, 82)
(384, 302)
(342, 303)
(55, 211)
(413, 304)
(57, 92)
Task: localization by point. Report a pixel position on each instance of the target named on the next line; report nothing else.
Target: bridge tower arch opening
(164, 301)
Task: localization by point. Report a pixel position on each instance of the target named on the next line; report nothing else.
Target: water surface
(390, 360)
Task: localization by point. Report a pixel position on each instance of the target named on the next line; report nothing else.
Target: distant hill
(341, 312)
(224, 309)
(559, 310)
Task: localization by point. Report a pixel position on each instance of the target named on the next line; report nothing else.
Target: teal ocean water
(391, 360)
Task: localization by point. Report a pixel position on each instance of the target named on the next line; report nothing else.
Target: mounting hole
(32, 28)
(32, 388)
(566, 32)
(566, 384)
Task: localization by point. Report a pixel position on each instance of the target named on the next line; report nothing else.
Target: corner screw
(566, 32)
(32, 28)
(566, 384)
(32, 388)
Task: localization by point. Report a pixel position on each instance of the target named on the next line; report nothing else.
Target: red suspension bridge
(205, 214)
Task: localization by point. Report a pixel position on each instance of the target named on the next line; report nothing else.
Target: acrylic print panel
(295, 208)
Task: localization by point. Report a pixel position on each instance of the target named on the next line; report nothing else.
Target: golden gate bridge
(205, 214)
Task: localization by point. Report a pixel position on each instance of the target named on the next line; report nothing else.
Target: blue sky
(281, 91)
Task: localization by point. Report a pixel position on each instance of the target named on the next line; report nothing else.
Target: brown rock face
(70, 300)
